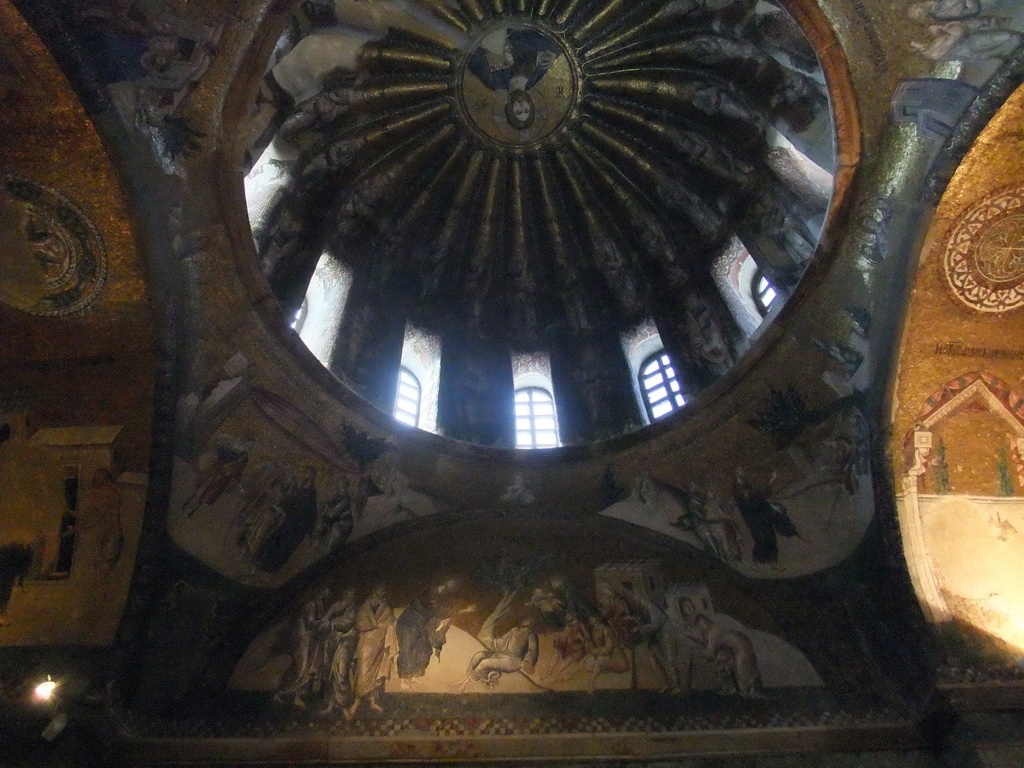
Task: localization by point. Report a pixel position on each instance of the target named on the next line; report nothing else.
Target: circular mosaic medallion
(984, 259)
(518, 84)
(52, 260)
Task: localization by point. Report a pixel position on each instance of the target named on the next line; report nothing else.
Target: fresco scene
(509, 617)
(261, 500)
(763, 526)
(259, 514)
(79, 540)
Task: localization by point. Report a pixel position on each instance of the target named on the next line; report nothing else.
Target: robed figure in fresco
(297, 505)
(422, 631)
(229, 463)
(104, 519)
(375, 651)
(765, 519)
(730, 651)
(309, 648)
(604, 652)
(340, 651)
(528, 55)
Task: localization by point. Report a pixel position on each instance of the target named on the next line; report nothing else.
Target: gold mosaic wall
(942, 331)
(76, 378)
(958, 416)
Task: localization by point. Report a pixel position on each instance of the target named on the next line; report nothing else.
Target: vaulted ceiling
(209, 538)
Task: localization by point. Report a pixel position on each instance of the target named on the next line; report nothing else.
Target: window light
(407, 401)
(764, 292)
(536, 426)
(300, 316)
(660, 387)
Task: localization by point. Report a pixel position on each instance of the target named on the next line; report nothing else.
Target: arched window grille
(535, 419)
(407, 401)
(659, 385)
(764, 292)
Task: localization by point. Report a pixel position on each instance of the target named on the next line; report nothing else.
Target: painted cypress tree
(1005, 482)
(941, 469)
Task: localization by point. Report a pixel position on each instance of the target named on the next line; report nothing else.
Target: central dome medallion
(542, 180)
(519, 83)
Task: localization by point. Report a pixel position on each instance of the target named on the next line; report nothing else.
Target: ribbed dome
(545, 175)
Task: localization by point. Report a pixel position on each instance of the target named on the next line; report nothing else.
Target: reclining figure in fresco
(515, 651)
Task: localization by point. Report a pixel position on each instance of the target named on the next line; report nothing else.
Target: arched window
(660, 388)
(407, 401)
(763, 292)
(421, 362)
(535, 419)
